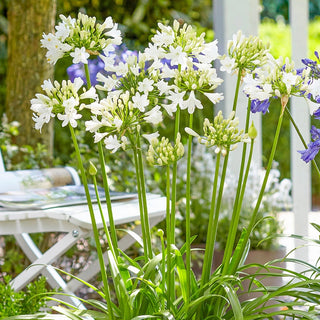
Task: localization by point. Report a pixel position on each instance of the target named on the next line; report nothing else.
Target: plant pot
(254, 256)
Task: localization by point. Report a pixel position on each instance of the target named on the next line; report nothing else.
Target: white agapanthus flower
(80, 55)
(62, 100)
(79, 38)
(278, 79)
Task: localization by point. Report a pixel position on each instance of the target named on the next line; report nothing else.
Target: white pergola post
(300, 171)
(229, 16)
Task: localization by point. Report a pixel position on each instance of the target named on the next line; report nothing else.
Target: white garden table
(75, 222)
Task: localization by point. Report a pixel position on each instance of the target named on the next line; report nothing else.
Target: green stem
(263, 187)
(105, 180)
(170, 279)
(94, 224)
(236, 217)
(102, 217)
(237, 203)
(144, 198)
(236, 94)
(207, 263)
(315, 166)
(174, 182)
(108, 199)
(86, 70)
(188, 210)
(143, 230)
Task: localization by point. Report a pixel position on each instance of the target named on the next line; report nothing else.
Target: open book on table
(55, 197)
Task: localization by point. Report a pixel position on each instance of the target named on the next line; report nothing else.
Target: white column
(229, 16)
(300, 171)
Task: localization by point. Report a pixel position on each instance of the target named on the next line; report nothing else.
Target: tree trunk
(27, 65)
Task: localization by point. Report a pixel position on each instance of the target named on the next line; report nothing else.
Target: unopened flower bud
(252, 132)
(92, 169)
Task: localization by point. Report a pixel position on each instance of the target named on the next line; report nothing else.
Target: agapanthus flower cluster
(132, 99)
(62, 100)
(276, 79)
(183, 60)
(223, 134)
(161, 152)
(244, 53)
(80, 38)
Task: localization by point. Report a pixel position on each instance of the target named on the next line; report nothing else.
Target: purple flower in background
(77, 70)
(97, 65)
(260, 106)
(316, 114)
(313, 147)
(313, 65)
(315, 133)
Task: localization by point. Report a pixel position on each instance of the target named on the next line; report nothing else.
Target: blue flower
(313, 147)
(260, 106)
(316, 114)
(313, 65)
(77, 70)
(315, 133)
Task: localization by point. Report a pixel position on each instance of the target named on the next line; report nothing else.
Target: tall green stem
(188, 210)
(207, 263)
(113, 233)
(315, 166)
(174, 182)
(144, 236)
(86, 70)
(252, 222)
(169, 278)
(94, 224)
(144, 198)
(235, 100)
(105, 180)
(236, 217)
(102, 216)
(238, 201)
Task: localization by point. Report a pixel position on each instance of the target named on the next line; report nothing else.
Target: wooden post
(300, 171)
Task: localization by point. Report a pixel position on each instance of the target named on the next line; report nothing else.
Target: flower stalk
(232, 267)
(94, 225)
(105, 180)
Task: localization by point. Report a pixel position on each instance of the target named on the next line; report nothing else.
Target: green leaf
(69, 313)
(234, 301)
(182, 274)
(120, 287)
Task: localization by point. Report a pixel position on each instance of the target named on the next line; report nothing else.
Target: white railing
(232, 15)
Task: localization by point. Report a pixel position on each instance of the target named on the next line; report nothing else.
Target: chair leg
(94, 267)
(40, 263)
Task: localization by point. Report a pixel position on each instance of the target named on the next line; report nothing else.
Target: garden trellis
(232, 15)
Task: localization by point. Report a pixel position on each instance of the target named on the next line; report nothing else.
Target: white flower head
(112, 143)
(80, 55)
(191, 103)
(146, 85)
(153, 116)
(151, 136)
(228, 64)
(140, 101)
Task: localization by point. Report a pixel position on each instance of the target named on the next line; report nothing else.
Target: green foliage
(275, 8)
(33, 157)
(137, 18)
(28, 301)
(278, 34)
